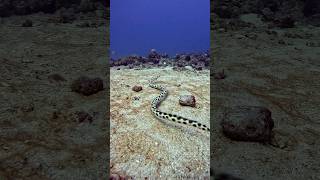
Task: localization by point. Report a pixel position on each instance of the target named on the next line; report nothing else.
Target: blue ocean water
(169, 26)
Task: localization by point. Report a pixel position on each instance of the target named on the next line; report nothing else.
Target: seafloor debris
(154, 55)
(226, 176)
(286, 22)
(187, 100)
(220, 75)
(56, 77)
(83, 116)
(27, 23)
(87, 86)
(199, 66)
(198, 61)
(137, 88)
(248, 123)
(28, 107)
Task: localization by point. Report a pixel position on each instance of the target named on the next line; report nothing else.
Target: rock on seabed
(248, 123)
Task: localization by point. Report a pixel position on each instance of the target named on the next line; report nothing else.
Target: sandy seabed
(143, 146)
(40, 135)
(41, 139)
(278, 69)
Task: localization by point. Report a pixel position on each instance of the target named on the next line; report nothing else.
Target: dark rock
(155, 60)
(193, 62)
(87, 86)
(248, 123)
(137, 88)
(125, 61)
(199, 66)
(286, 22)
(84, 116)
(143, 60)
(153, 54)
(55, 114)
(187, 58)
(202, 58)
(27, 23)
(220, 75)
(180, 64)
(56, 77)
(281, 41)
(225, 176)
(187, 100)
(27, 107)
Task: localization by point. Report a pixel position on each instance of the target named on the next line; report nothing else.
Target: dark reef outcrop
(197, 61)
(273, 11)
(24, 7)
